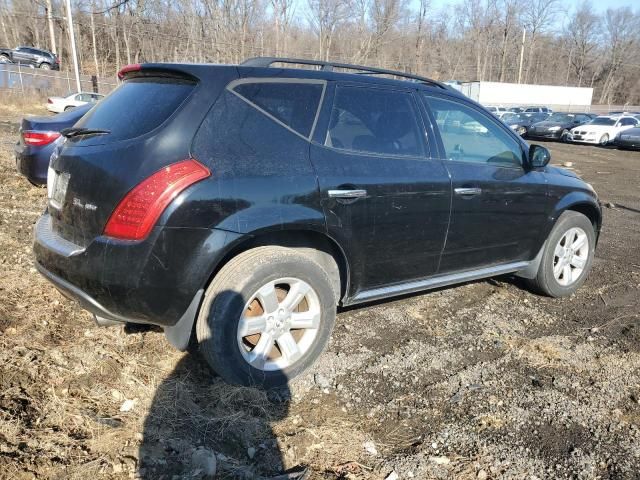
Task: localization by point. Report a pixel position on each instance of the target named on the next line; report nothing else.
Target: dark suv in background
(32, 56)
(237, 206)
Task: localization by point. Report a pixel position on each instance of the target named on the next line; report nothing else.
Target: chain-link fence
(47, 83)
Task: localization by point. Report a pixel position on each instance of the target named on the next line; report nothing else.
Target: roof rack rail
(265, 62)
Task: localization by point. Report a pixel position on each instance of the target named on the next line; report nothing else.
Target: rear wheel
(604, 140)
(266, 317)
(68, 107)
(567, 257)
(45, 66)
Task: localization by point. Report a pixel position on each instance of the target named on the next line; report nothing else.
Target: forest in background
(464, 40)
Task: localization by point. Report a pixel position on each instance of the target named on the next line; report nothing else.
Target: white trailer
(514, 94)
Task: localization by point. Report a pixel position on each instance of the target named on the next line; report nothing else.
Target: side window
(469, 136)
(377, 121)
(293, 104)
(627, 121)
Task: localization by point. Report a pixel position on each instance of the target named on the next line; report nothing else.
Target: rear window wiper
(78, 131)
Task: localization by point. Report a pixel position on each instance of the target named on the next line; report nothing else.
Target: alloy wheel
(570, 256)
(279, 324)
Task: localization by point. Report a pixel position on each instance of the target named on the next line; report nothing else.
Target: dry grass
(17, 104)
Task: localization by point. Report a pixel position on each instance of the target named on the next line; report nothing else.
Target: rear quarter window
(137, 107)
(293, 104)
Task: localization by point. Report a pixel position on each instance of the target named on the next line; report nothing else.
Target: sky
(599, 5)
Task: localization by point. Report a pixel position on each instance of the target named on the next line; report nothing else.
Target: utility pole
(72, 40)
(524, 35)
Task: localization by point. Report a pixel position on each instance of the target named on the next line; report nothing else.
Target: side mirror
(538, 156)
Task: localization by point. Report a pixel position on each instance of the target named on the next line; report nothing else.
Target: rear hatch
(147, 123)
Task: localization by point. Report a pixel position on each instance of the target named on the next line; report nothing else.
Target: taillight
(49, 100)
(38, 139)
(138, 211)
(135, 67)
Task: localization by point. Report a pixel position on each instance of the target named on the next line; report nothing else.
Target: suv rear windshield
(136, 107)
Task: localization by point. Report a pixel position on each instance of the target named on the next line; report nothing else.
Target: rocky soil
(484, 380)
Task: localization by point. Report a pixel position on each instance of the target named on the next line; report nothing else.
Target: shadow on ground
(195, 416)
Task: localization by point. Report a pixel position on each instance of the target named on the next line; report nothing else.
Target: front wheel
(567, 256)
(604, 140)
(565, 136)
(266, 317)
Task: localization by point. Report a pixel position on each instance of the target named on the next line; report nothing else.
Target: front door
(499, 207)
(386, 201)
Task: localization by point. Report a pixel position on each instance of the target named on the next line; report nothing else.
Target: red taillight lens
(135, 67)
(38, 139)
(138, 211)
(49, 100)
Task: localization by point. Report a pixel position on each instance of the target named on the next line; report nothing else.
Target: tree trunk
(93, 43)
(52, 34)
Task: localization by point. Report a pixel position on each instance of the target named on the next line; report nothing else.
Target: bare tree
(325, 16)
(537, 16)
(583, 30)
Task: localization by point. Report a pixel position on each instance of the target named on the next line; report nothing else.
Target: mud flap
(532, 269)
(179, 334)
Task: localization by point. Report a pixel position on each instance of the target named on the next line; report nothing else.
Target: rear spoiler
(178, 71)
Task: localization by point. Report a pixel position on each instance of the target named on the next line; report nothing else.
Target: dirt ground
(484, 380)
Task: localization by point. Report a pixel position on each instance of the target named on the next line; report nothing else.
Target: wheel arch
(320, 246)
(582, 203)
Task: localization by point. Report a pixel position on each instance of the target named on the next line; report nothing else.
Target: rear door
(498, 207)
(385, 198)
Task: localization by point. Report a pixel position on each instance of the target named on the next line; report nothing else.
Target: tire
(604, 140)
(234, 291)
(564, 137)
(546, 281)
(4, 59)
(67, 108)
(45, 66)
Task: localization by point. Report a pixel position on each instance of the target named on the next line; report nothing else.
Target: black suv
(237, 206)
(32, 56)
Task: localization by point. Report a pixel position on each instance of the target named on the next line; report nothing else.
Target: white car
(60, 104)
(497, 111)
(602, 130)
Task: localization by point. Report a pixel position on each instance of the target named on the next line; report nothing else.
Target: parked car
(520, 122)
(530, 110)
(558, 126)
(237, 205)
(497, 111)
(31, 56)
(628, 139)
(601, 130)
(38, 136)
(72, 100)
(516, 109)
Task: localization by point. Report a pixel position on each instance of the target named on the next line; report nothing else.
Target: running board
(435, 282)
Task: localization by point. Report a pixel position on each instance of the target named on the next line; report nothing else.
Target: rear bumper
(153, 282)
(33, 162)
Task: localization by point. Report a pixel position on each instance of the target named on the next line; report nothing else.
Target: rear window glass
(293, 104)
(374, 121)
(136, 107)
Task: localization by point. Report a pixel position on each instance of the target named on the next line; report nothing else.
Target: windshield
(561, 118)
(603, 121)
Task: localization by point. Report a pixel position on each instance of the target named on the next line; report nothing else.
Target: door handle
(468, 191)
(347, 193)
